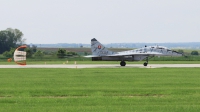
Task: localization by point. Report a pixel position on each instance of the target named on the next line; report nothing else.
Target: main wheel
(145, 64)
(123, 63)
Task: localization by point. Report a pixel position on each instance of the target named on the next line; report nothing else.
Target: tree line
(10, 39)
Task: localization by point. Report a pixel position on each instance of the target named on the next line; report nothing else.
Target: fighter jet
(100, 52)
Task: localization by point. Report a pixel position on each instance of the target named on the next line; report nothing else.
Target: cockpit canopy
(158, 47)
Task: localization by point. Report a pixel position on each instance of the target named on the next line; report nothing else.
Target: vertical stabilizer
(98, 49)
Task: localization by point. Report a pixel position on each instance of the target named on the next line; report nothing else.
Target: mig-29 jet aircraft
(99, 52)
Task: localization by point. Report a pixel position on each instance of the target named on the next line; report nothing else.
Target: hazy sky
(109, 21)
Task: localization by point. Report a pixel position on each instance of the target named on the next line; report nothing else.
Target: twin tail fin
(98, 49)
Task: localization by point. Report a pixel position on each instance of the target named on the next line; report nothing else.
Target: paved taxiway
(101, 66)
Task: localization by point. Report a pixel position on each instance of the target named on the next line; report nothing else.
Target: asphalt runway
(101, 66)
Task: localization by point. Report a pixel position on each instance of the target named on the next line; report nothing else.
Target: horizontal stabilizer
(90, 56)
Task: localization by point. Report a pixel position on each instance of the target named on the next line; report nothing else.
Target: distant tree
(81, 46)
(194, 53)
(34, 48)
(29, 52)
(180, 51)
(85, 53)
(71, 53)
(9, 54)
(39, 54)
(10, 38)
(61, 53)
(53, 53)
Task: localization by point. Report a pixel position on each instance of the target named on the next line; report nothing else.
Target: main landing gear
(123, 63)
(146, 63)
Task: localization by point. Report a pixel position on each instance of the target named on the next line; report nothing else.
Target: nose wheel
(123, 63)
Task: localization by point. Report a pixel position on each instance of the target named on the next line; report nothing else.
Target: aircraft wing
(126, 54)
(131, 54)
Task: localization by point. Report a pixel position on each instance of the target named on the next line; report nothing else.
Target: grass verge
(95, 89)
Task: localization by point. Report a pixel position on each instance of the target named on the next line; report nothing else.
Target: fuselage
(139, 54)
(152, 50)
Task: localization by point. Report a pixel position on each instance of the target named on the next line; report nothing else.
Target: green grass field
(111, 89)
